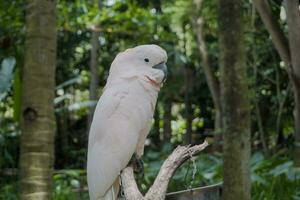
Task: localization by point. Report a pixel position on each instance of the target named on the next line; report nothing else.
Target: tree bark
(37, 120)
(297, 126)
(274, 29)
(235, 101)
(261, 130)
(156, 128)
(94, 73)
(188, 105)
(167, 121)
(62, 139)
(94, 64)
(289, 53)
(257, 111)
(159, 188)
(293, 21)
(212, 80)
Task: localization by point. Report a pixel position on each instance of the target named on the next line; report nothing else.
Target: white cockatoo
(123, 117)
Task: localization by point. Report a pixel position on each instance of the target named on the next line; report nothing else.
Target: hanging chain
(187, 185)
(194, 168)
(193, 160)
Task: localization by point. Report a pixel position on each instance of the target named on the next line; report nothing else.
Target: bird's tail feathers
(112, 193)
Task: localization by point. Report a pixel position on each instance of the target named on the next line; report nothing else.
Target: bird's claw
(137, 164)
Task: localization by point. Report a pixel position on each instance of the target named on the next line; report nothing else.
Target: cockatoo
(123, 116)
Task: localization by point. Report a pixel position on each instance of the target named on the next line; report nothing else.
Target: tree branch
(293, 21)
(274, 30)
(159, 188)
(212, 80)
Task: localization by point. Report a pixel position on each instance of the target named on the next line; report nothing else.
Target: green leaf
(282, 169)
(259, 179)
(6, 73)
(71, 81)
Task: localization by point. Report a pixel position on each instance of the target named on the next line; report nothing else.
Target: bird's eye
(146, 60)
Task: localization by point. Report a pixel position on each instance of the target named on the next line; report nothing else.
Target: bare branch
(197, 22)
(129, 184)
(293, 21)
(159, 188)
(274, 30)
(212, 81)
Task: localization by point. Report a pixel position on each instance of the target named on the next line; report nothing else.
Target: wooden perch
(159, 188)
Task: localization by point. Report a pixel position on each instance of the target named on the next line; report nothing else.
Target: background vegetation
(186, 110)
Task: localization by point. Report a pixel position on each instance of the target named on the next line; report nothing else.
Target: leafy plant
(6, 75)
(69, 185)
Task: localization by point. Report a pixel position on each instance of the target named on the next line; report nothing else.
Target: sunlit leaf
(6, 75)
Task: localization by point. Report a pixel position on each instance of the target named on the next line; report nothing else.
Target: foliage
(274, 178)
(8, 192)
(6, 74)
(125, 24)
(68, 185)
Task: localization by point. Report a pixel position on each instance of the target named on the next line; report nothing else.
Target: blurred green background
(185, 111)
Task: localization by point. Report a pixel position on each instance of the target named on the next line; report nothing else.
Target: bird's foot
(137, 164)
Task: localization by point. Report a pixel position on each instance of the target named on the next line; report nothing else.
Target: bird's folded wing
(112, 142)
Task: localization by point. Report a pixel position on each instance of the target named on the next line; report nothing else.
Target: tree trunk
(94, 73)
(62, 139)
(212, 80)
(156, 128)
(293, 21)
(188, 105)
(160, 185)
(37, 120)
(289, 53)
(167, 121)
(218, 137)
(94, 64)
(235, 103)
(297, 125)
(261, 131)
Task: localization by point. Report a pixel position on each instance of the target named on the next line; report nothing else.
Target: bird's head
(144, 60)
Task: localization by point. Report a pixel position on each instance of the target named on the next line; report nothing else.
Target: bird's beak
(163, 67)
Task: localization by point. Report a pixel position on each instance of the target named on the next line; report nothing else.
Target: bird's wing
(113, 138)
(142, 137)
